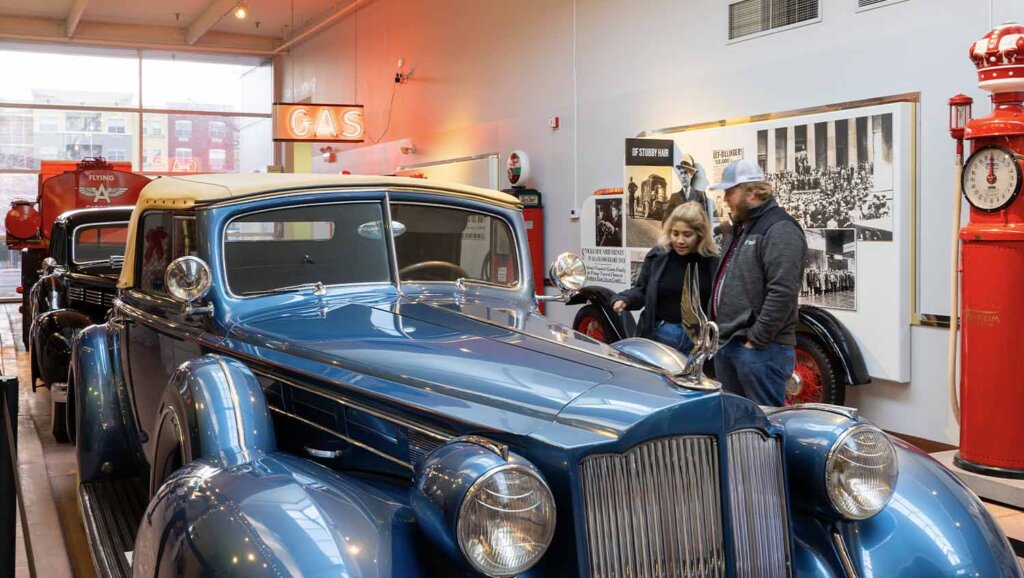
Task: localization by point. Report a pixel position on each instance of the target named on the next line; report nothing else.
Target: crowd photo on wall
(834, 174)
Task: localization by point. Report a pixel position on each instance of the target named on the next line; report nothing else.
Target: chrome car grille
(760, 527)
(656, 511)
(93, 296)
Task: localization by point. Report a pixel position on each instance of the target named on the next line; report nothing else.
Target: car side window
(163, 237)
(58, 245)
(332, 244)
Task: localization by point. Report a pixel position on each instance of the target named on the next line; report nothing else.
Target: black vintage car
(76, 289)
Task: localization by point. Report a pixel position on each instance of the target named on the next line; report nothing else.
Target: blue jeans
(672, 335)
(757, 374)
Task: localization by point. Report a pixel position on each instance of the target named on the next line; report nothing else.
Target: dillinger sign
(318, 122)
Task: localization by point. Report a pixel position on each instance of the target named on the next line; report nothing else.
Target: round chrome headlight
(506, 521)
(188, 278)
(861, 472)
(568, 272)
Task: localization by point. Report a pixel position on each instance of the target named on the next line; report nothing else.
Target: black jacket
(644, 293)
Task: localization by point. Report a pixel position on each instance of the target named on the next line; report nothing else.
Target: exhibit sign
(842, 173)
(318, 122)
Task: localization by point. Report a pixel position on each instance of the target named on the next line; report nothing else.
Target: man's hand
(749, 345)
(619, 306)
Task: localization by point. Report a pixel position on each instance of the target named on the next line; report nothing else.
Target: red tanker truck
(63, 186)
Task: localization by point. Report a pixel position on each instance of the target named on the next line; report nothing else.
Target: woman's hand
(619, 306)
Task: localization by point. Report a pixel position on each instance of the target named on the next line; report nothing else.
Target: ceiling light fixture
(241, 10)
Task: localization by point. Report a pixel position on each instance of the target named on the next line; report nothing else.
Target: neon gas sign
(318, 122)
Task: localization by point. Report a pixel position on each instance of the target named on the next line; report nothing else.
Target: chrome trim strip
(342, 436)
(844, 554)
(850, 413)
(496, 447)
(392, 249)
(436, 434)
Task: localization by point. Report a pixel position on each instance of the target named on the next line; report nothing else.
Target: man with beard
(756, 290)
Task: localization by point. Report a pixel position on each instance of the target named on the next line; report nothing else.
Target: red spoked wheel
(591, 322)
(813, 379)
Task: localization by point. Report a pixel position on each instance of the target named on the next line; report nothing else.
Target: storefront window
(215, 83)
(87, 102)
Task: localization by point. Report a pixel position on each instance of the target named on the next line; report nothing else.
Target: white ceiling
(275, 19)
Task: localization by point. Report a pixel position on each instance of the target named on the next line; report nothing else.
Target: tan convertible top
(184, 192)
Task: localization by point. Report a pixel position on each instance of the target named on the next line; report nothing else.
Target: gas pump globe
(992, 260)
(959, 114)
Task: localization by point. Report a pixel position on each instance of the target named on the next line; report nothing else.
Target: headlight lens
(861, 472)
(506, 521)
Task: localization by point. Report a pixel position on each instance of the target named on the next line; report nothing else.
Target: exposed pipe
(321, 24)
(575, 116)
(954, 287)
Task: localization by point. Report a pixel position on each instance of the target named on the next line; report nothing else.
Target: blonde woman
(685, 240)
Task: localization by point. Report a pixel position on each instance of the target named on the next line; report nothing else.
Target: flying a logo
(102, 192)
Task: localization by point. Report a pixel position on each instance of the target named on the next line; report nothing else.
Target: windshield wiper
(317, 287)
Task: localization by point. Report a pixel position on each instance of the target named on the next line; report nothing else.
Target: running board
(112, 511)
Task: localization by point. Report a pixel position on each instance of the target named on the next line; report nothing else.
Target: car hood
(489, 365)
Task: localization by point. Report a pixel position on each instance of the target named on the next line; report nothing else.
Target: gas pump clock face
(992, 178)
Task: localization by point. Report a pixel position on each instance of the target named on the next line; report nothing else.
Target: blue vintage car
(348, 376)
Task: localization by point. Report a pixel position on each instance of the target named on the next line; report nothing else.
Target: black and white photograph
(609, 222)
(830, 269)
(634, 271)
(646, 197)
(834, 174)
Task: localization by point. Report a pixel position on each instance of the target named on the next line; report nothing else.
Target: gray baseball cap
(738, 172)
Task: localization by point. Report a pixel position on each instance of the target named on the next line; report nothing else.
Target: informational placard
(842, 174)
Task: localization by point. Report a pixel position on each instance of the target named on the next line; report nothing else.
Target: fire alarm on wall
(553, 122)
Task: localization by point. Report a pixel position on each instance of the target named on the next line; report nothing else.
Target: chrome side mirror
(568, 272)
(188, 279)
(48, 265)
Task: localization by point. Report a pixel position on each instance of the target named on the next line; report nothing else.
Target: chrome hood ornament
(703, 333)
(684, 370)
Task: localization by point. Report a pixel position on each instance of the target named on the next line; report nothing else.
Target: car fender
(218, 407)
(45, 294)
(107, 440)
(624, 323)
(837, 340)
(277, 515)
(50, 340)
(933, 526)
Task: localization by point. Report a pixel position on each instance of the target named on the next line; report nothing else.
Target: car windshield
(448, 244)
(99, 247)
(300, 247)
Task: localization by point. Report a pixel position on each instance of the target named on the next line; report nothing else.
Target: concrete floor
(50, 487)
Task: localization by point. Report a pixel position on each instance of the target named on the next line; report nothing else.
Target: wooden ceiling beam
(212, 14)
(118, 35)
(75, 16)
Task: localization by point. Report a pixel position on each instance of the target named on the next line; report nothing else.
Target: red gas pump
(533, 214)
(992, 261)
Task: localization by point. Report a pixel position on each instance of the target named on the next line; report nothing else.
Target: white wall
(486, 76)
